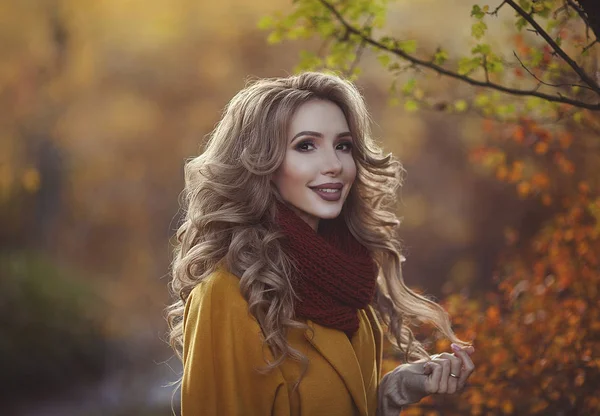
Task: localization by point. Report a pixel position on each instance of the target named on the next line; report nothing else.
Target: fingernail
(455, 347)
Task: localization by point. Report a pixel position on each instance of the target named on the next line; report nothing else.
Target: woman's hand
(408, 383)
(448, 373)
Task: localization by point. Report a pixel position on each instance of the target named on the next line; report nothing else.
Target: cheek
(296, 170)
(290, 173)
(351, 170)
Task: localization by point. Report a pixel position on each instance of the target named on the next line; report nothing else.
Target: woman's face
(318, 170)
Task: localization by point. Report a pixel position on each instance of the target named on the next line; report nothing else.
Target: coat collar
(338, 351)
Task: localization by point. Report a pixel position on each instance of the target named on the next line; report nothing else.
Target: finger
(469, 349)
(455, 368)
(432, 382)
(445, 364)
(467, 368)
(427, 369)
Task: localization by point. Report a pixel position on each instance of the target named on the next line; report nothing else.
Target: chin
(328, 213)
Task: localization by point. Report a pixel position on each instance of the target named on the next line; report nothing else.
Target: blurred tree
(537, 333)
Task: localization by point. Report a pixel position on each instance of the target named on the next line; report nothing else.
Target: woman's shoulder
(221, 288)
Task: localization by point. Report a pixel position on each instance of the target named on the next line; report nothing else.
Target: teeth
(329, 190)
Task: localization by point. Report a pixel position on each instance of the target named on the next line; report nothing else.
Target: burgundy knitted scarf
(336, 275)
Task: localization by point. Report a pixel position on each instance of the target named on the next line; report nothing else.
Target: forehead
(319, 115)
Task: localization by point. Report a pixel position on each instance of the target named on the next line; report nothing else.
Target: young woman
(289, 259)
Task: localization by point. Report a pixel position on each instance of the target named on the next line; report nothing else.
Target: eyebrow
(317, 134)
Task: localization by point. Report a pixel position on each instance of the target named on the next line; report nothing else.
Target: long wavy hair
(229, 216)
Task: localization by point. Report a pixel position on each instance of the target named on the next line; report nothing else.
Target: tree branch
(589, 46)
(544, 82)
(591, 8)
(527, 16)
(440, 70)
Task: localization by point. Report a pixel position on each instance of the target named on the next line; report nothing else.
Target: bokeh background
(101, 103)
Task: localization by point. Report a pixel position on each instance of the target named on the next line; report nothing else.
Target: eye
(302, 146)
(348, 146)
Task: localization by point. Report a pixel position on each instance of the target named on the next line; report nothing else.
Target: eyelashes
(301, 147)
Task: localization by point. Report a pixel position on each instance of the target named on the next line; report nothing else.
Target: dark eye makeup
(301, 147)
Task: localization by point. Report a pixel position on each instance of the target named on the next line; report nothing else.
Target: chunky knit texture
(336, 275)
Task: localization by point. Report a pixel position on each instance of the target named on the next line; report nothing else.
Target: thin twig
(527, 16)
(579, 11)
(440, 70)
(360, 48)
(589, 46)
(495, 12)
(544, 82)
(359, 52)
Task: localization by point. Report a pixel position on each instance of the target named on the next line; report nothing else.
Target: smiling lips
(329, 191)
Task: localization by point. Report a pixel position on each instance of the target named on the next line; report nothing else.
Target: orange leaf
(519, 134)
(540, 180)
(507, 407)
(501, 172)
(541, 148)
(565, 140)
(523, 188)
(584, 187)
(546, 199)
(493, 315)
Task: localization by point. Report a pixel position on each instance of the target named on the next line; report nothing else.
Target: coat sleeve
(400, 387)
(222, 347)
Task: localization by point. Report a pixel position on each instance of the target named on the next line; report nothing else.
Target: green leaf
(532, 103)
(520, 23)
(551, 25)
(299, 32)
(482, 100)
(478, 29)
(384, 59)
(275, 37)
(411, 106)
(504, 110)
(482, 48)
(440, 57)
(379, 19)
(525, 5)
(578, 117)
(476, 12)
(536, 56)
(494, 65)
(409, 86)
(388, 42)
(468, 65)
(408, 46)
(326, 28)
(266, 22)
(309, 61)
(460, 105)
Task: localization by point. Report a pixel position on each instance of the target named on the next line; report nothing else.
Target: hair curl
(229, 215)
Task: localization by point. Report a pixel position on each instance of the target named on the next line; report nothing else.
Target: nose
(332, 165)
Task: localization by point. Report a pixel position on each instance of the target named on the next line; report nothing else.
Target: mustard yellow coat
(223, 345)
